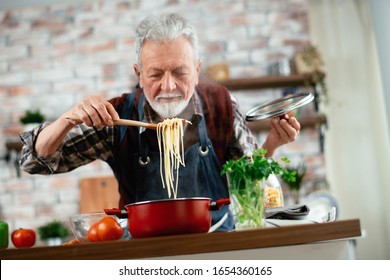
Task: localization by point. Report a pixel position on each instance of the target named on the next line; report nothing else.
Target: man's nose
(168, 83)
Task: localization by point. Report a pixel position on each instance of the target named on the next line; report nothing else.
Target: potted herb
(31, 119)
(295, 185)
(53, 233)
(246, 179)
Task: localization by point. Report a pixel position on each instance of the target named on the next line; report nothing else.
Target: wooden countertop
(193, 243)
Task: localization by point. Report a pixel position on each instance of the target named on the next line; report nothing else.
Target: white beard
(168, 109)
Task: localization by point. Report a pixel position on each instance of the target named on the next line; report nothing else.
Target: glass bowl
(80, 224)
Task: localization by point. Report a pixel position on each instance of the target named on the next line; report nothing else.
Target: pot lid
(279, 106)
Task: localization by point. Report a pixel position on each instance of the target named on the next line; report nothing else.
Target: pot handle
(117, 212)
(216, 205)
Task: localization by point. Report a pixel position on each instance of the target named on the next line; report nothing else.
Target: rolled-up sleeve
(30, 161)
(243, 141)
(81, 145)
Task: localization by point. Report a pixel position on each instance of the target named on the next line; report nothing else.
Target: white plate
(321, 204)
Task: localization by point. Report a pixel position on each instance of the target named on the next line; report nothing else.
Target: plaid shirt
(84, 144)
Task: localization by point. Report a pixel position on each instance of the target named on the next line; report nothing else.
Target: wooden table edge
(166, 246)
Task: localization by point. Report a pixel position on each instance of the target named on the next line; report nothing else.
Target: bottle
(273, 195)
(4, 235)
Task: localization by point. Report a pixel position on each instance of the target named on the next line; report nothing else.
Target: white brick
(71, 61)
(112, 85)
(31, 13)
(16, 78)
(6, 199)
(88, 71)
(74, 85)
(19, 212)
(69, 195)
(18, 185)
(13, 52)
(245, 71)
(115, 56)
(238, 57)
(52, 75)
(121, 31)
(54, 182)
(92, 18)
(7, 170)
(55, 104)
(152, 5)
(23, 27)
(70, 35)
(33, 89)
(258, 56)
(41, 52)
(37, 197)
(3, 66)
(29, 63)
(39, 38)
(225, 7)
(65, 210)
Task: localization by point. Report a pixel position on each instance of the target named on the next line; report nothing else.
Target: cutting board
(97, 193)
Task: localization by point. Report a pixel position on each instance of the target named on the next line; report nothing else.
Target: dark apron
(199, 177)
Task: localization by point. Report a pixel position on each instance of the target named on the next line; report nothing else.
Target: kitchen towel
(291, 212)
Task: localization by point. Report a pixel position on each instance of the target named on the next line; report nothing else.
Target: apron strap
(126, 114)
(203, 136)
(143, 149)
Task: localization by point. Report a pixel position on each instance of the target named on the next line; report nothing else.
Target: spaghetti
(170, 142)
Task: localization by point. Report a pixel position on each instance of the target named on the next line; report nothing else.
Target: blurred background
(55, 53)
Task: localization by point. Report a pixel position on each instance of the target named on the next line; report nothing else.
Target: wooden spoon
(123, 122)
(127, 122)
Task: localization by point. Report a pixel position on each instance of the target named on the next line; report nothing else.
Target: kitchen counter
(305, 241)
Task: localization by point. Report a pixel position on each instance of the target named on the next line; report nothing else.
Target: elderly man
(168, 68)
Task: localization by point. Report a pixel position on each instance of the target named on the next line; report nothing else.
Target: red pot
(169, 216)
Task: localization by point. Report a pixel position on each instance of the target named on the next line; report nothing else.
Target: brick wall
(52, 56)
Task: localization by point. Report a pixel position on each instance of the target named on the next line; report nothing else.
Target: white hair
(162, 28)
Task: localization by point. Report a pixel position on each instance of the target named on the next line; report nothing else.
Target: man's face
(169, 75)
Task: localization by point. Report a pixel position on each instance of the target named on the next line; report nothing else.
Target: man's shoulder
(215, 97)
(213, 91)
(211, 87)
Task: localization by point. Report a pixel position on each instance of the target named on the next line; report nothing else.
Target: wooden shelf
(306, 122)
(265, 82)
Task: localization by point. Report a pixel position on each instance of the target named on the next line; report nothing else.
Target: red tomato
(23, 238)
(109, 229)
(93, 234)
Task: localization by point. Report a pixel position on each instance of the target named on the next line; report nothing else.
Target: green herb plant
(52, 230)
(246, 176)
(32, 117)
(295, 185)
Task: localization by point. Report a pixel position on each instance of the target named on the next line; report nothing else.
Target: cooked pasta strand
(170, 142)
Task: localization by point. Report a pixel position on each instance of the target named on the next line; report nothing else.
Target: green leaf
(53, 229)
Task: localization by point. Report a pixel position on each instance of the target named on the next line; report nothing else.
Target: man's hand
(283, 130)
(94, 111)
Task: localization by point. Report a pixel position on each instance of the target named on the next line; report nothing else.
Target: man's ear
(138, 73)
(198, 68)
